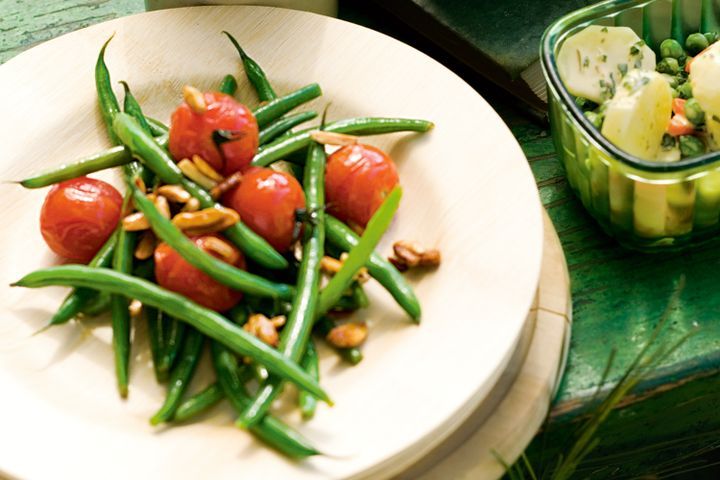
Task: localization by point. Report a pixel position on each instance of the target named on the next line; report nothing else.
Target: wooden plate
(468, 190)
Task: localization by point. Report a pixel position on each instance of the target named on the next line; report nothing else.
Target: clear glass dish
(645, 205)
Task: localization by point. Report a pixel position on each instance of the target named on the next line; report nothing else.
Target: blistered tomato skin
(78, 216)
(191, 133)
(266, 201)
(174, 273)
(357, 180)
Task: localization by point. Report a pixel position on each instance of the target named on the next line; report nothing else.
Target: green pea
(595, 118)
(672, 81)
(696, 43)
(691, 146)
(674, 92)
(668, 65)
(685, 90)
(694, 112)
(585, 104)
(670, 48)
(712, 37)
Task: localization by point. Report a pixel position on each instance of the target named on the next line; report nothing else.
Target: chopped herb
(716, 118)
(622, 68)
(604, 30)
(634, 50)
(603, 58)
(638, 63)
(586, 62)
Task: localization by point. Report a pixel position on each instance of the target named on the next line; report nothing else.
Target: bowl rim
(556, 33)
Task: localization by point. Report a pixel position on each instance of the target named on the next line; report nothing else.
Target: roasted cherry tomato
(225, 134)
(174, 273)
(78, 217)
(357, 180)
(266, 201)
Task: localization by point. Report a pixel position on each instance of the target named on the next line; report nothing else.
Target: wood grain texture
(472, 452)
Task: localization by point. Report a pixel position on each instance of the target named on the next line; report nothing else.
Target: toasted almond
(135, 308)
(264, 328)
(192, 205)
(195, 99)
(162, 205)
(135, 222)
(191, 171)
(174, 193)
(333, 138)
(206, 169)
(222, 248)
(226, 185)
(330, 265)
(411, 254)
(347, 335)
(208, 220)
(145, 246)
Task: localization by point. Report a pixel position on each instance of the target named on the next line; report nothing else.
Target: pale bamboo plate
(468, 190)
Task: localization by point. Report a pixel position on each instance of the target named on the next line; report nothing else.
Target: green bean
(254, 73)
(79, 297)
(352, 355)
(157, 128)
(355, 126)
(109, 106)
(270, 430)
(295, 334)
(360, 254)
(206, 321)
(122, 262)
(229, 85)
(98, 304)
(174, 332)
(222, 272)
(132, 107)
(359, 296)
(306, 402)
(384, 272)
(181, 376)
(157, 159)
(282, 105)
(113, 157)
(284, 124)
(199, 403)
(154, 319)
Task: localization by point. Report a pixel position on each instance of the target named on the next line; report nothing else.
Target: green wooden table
(670, 423)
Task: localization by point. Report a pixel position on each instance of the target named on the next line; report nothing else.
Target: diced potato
(592, 62)
(704, 75)
(637, 116)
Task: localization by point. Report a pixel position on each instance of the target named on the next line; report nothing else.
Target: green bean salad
(237, 232)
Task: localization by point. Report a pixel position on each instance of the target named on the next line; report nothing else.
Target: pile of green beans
(178, 328)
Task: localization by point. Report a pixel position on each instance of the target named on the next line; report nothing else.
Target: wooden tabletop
(618, 295)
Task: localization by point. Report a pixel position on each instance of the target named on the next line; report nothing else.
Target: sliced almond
(162, 205)
(411, 254)
(195, 99)
(207, 220)
(223, 249)
(264, 328)
(135, 308)
(226, 185)
(347, 335)
(192, 205)
(191, 171)
(174, 193)
(333, 138)
(206, 169)
(135, 222)
(145, 246)
(330, 265)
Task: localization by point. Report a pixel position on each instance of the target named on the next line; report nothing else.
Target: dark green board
(617, 294)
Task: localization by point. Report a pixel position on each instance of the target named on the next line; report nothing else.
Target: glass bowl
(645, 205)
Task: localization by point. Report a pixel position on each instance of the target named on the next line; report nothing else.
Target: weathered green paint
(617, 294)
